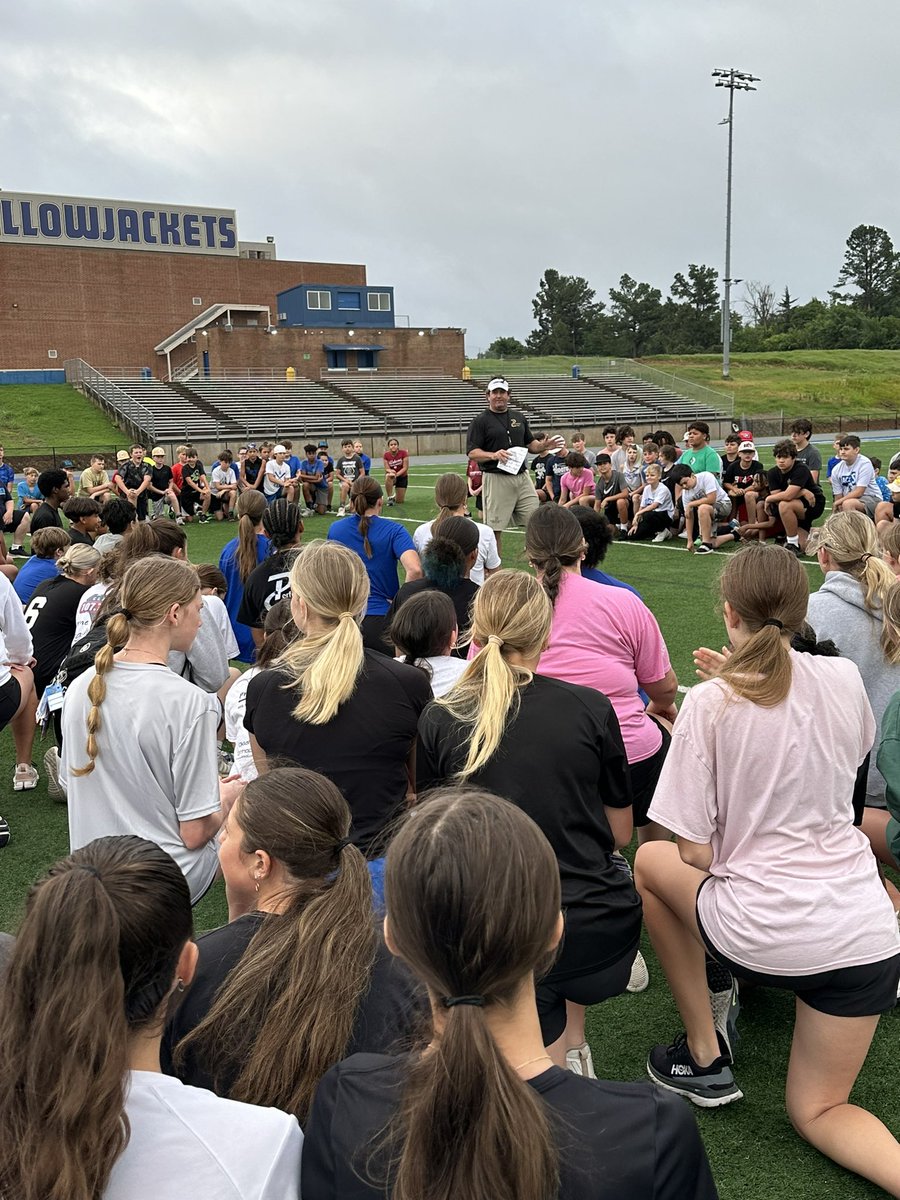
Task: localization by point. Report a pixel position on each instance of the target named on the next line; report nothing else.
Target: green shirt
(706, 459)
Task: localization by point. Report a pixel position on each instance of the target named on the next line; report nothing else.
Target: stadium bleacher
(272, 408)
(410, 404)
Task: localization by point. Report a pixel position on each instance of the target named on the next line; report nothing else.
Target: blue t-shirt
(294, 463)
(228, 565)
(7, 475)
(313, 468)
(601, 577)
(25, 492)
(31, 573)
(388, 539)
(832, 463)
(367, 463)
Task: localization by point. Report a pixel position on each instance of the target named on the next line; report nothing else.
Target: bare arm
(621, 822)
(411, 564)
(695, 854)
(198, 832)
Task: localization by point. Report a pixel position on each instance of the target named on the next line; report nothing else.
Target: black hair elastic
(774, 622)
(342, 844)
(452, 1001)
(127, 615)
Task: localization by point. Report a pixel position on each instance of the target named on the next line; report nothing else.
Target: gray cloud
(458, 150)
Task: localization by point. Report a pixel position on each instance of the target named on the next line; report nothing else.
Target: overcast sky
(458, 149)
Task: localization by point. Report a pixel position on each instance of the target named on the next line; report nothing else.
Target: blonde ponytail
(332, 581)
(851, 541)
(511, 613)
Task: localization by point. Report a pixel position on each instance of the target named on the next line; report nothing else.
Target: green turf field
(754, 1153)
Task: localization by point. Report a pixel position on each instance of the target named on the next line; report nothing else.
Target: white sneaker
(683, 533)
(55, 790)
(640, 976)
(342, 511)
(25, 778)
(661, 536)
(580, 1062)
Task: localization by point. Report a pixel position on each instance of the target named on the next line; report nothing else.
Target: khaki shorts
(508, 499)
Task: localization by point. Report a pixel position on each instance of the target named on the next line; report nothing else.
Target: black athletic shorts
(581, 989)
(811, 512)
(864, 991)
(644, 775)
(10, 699)
(16, 517)
(402, 481)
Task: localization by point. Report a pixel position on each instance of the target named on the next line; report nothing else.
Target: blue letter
(209, 224)
(82, 222)
(9, 225)
(169, 233)
(147, 217)
(191, 229)
(129, 229)
(48, 215)
(227, 233)
(27, 224)
(109, 228)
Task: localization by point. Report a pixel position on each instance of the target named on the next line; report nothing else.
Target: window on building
(318, 300)
(348, 300)
(379, 301)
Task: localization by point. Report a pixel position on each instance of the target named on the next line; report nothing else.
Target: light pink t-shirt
(794, 887)
(576, 484)
(607, 639)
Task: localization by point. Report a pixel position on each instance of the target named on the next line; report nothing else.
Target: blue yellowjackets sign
(115, 224)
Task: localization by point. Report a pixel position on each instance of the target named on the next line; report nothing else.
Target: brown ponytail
(365, 493)
(768, 589)
(285, 1013)
(148, 589)
(472, 893)
(94, 961)
(250, 508)
(450, 492)
(553, 541)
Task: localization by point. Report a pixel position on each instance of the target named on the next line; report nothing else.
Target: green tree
(786, 307)
(693, 325)
(505, 347)
(870, 265)
(565, 311)
(636, 312)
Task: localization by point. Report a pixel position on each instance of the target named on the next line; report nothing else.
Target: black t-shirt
(499, 431)
(266, 584)
(160, 477)
(134, 474)
(739, 477)
(387, 1018)
(364, 748)
(615, 1139)
(798, 476)
(539, 466)
(46, 517)
(50, 615)
(556, 468)
(561, 760)
(463, 597)
(193, 474)
(252, 467)
(350, 467)
(76, 537)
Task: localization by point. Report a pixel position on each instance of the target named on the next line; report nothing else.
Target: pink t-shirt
(576, 484)
(607, 639)
(794, 887)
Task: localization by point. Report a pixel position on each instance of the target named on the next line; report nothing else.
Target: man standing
(498, 439)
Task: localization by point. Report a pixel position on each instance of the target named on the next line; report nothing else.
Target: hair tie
(351, 615)
(774, 622)
(495, 639)
(342, 844)
(452, 1001)
(865, 557)
(129, 616)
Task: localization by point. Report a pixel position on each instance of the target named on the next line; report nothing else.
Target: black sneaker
(724, 1000)
(673, 1068)
(706, 548)
(794, 549)
(4, 832)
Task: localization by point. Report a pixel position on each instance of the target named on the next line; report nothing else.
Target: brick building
(111, 281)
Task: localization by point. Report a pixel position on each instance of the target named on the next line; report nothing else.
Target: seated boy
(223, 486)
(610, 493)
(656, 512)
(705, 503)
(794, 496)
(577, 485)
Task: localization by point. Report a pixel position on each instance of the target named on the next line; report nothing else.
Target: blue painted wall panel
(297, 313)
(32, 377)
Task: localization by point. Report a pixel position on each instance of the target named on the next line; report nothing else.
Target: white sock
(794, 541)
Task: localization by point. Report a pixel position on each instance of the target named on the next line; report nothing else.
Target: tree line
(862, 311)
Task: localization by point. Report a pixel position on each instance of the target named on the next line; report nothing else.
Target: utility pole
(735, 81)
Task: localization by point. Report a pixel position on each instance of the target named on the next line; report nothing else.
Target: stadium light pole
(735, 81)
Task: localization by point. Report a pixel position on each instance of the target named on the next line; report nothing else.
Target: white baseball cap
(746, 448)
(498, 384)
(279, 449)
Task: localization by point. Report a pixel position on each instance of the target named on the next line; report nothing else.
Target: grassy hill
(820, 384)
(45, 416)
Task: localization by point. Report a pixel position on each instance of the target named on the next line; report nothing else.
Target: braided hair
(282, 522)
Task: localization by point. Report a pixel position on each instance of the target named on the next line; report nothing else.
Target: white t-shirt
(795, 887)
(706, 483)
(214, 608)
(88, 607)
(156, 765)
(235, 707)
(221, 476)
(845, 477)
(487, 548)
(188, 1142)
(660, 496)
(443, 671)
(277, 475)
(15, 637)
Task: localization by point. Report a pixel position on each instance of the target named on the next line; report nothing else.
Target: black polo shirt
(499, 431)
